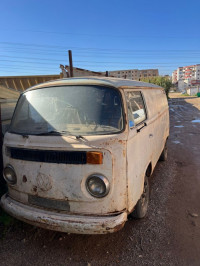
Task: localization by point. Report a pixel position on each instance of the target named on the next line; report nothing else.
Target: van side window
(136, 109)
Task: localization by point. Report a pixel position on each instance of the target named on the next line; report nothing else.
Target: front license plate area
(60, 205)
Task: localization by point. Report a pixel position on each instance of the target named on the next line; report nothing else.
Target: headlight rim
(106, 183)
(6, 179)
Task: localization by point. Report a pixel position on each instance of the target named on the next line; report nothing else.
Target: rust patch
(119, 227)
(131, 210)
(35, 189)
(24, 179)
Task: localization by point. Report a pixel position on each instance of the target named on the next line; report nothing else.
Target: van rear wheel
(141, 207)
(163, 156)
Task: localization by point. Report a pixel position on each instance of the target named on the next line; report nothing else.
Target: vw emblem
(43, 182)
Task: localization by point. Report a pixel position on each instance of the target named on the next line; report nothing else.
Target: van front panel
(64, 184)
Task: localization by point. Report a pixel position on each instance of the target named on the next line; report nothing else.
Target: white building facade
(187, 76)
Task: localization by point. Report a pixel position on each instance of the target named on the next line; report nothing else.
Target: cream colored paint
(126, 157)
(68, 181)
(145, 147)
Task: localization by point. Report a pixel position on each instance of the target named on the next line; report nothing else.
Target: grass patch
(185, 94)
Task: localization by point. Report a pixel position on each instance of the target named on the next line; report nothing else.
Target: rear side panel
(158, 117)
(145, 146)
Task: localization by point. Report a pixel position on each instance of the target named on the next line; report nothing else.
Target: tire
(141, 207)
(163, 156)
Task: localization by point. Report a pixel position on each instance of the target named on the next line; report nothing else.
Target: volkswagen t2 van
(79, 153)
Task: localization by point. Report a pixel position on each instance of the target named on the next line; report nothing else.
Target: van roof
(101, 81)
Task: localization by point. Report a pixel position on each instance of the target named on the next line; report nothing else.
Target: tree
(163, 82)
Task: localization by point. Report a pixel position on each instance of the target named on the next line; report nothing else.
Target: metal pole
(70, 63)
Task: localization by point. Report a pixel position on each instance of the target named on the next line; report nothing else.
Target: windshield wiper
(80, 137)
(53, 132)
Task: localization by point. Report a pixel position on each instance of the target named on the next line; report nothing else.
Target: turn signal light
(94, 157)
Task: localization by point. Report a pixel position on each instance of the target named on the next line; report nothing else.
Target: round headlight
(97, 185)
(9, 175)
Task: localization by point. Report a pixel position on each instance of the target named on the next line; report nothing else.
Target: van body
(78, 151)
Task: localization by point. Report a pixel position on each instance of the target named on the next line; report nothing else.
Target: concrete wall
(193, 91)
(79, 72)
(21, 83)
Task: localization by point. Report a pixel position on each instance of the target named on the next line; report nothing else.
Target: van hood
(63, 142)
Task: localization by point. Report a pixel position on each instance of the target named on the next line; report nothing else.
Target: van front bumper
(78, 224)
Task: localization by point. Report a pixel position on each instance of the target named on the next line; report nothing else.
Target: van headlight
(97, 185)
(9, 175)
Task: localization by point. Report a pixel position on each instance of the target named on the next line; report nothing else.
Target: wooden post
(2, 182)
(70, 63)
(1, 133)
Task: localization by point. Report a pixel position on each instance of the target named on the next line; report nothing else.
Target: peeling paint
(24, 179)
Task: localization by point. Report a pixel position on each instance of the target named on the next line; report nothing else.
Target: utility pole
(70, 63)
(1, 156)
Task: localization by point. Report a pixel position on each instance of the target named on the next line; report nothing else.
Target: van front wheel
(142, 205)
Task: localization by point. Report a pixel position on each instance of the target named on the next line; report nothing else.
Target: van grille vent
(48, 156)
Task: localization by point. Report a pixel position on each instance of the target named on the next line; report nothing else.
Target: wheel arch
(149, 170)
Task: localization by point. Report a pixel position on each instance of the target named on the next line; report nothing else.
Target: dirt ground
(169, 235)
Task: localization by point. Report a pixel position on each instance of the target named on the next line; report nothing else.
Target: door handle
(139, 129)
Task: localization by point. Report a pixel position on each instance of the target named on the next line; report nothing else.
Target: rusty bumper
(63, 222)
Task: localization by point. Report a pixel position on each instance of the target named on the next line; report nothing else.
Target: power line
(59, 60)
(34, 58)
(100, 35)
(84, 56)
(26, 68)
(102, 49)
(98, 62)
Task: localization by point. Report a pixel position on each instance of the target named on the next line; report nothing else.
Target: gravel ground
(169, 235)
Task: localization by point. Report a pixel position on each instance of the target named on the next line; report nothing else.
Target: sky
(103, 35)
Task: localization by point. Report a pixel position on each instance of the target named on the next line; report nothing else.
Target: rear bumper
(61, 221)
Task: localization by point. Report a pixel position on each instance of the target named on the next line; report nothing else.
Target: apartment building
(186, 76)
(134, 74)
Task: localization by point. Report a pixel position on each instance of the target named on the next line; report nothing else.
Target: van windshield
(70, 110)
